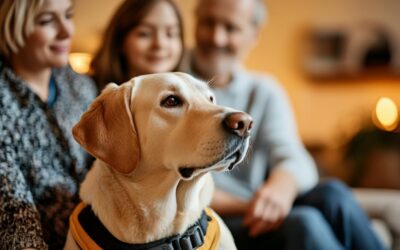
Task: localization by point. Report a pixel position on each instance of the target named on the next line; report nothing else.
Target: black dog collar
(191, 239)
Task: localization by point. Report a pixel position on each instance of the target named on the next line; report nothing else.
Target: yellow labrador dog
(155, 137)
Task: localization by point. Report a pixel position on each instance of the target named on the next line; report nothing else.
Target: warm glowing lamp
(386, 115)
(80, 62)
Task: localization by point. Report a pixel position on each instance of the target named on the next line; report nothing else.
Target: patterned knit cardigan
(40, 163)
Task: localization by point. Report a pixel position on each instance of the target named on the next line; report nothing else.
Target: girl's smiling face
(155, 44)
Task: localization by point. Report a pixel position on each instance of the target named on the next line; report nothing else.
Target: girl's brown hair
(109, 64)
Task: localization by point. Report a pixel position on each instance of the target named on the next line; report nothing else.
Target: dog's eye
(212, 99)
(171, 101)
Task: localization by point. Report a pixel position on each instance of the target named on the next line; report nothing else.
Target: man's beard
(213, 66)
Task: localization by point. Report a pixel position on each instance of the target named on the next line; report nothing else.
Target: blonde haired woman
(40, 100)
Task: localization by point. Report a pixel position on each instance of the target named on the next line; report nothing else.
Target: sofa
(383, 207)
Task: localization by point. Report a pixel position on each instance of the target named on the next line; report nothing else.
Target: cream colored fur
(135, 186)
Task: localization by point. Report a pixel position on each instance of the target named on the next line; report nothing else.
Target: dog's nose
(238, 123)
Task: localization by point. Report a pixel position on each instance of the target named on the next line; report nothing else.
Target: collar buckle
(192, 239)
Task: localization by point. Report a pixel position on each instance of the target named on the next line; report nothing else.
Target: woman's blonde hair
(109, 63)
(17, 21)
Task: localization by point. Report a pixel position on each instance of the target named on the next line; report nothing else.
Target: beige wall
(324, 110)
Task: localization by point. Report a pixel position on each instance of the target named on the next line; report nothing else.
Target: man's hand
(271, 203)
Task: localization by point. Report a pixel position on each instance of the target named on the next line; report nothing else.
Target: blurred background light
(386, 115)
(80, 62)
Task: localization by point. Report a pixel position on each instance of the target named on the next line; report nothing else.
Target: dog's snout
(238, 123)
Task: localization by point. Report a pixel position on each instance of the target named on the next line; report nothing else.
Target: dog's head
(168, 121)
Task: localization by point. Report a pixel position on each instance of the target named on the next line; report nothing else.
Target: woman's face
(154, 45)
(49, 43)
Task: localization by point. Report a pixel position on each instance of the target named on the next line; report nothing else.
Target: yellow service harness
(90, 234)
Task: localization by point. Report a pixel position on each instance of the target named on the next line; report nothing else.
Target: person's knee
(306, 220)
(334, 191)
(334, 187)
(306, 228)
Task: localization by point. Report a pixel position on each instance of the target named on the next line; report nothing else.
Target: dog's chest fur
(135, 213)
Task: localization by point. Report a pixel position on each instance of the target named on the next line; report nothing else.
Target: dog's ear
(107, 130)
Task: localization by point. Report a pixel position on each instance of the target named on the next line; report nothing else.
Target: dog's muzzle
(238, 123)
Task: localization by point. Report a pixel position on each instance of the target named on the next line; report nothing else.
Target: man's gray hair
(259, 13)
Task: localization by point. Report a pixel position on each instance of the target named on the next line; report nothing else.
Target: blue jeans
(325, 218)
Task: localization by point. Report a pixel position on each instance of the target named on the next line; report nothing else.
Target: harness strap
(84, 241)
(213, 235)
(90, 234)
